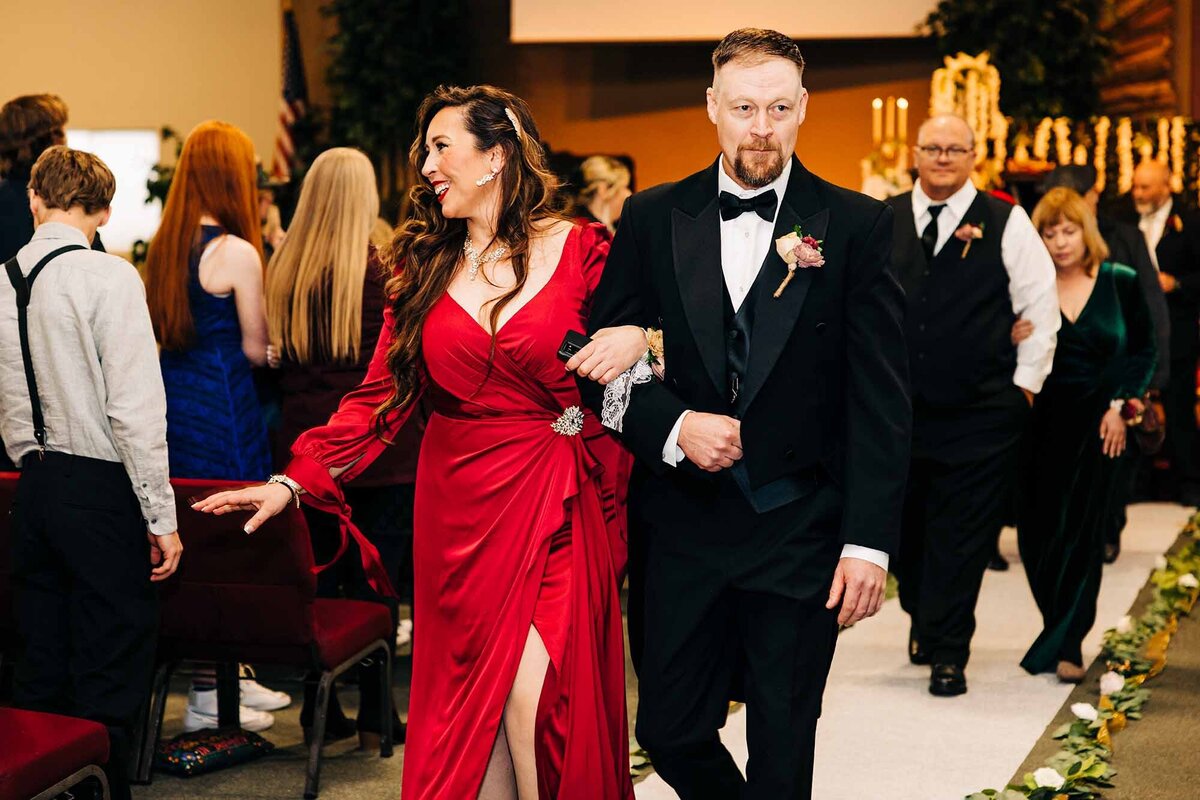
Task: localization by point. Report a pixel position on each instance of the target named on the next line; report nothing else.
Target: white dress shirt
(1032, 283)
(1153, 226)
(745, 242)
(97, 367)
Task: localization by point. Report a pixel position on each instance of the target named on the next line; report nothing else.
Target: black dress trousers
(86, 610)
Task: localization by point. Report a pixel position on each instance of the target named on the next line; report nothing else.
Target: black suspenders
(23, 286)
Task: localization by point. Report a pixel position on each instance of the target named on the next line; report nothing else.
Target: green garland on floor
(1135, 651)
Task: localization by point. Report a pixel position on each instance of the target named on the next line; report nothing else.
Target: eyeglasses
(934, 151)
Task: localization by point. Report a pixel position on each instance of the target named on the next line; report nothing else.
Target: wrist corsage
(619, 390)
(1130, 410)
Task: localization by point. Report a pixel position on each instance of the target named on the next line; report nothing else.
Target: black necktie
(762, 204)
(929, 235)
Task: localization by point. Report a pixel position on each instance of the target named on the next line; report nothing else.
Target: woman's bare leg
(499, 782)
(520, 714)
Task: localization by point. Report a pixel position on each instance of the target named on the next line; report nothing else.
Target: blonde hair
(1066, 205)
(598, 170)
(315, 279)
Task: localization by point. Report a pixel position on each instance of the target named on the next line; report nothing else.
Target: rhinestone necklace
(475, 259)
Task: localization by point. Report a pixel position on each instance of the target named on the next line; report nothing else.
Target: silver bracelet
(293, 487)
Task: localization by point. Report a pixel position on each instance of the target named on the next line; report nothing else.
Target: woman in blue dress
(204, 286)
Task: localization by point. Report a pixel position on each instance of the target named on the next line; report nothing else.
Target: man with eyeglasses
(971, 265)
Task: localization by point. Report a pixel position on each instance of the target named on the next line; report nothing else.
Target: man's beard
(1148, 208)
(759, 174)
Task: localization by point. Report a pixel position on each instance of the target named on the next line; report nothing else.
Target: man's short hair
(28, 125)
(756, 45)
(65, 178)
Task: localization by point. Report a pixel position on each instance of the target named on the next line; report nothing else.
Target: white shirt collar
(1162, 213)
(61, 230)
(727, 184)
(958, 202)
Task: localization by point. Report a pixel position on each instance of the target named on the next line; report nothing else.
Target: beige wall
(148, 63)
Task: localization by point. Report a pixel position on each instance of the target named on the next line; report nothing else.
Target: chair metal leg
(228, 696)
(385, 711)
(312, 779)
(151, 724)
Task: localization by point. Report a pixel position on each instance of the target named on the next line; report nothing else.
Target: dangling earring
(491, 176)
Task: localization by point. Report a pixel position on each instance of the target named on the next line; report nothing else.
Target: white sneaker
(202, 713)
(255, 695)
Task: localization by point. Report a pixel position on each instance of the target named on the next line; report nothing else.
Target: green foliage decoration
(387, 54)
(1050, 53)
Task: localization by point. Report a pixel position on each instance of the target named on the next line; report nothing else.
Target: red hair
(216, 175)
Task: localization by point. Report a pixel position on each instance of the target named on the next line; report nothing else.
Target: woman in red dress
(518, 668)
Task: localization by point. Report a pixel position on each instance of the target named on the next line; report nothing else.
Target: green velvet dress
(1066, 481)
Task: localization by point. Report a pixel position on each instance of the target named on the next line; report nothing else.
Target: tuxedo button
(733, 335)
(926, 273)
(921, 327)
(920, 356)
(820, 327)
(789, 454)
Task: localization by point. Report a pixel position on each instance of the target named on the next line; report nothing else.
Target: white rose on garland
(1188, 581)
(1125, 625)
(1049, 778)
(1111, 683)
(1085, 711)
(1160, 562)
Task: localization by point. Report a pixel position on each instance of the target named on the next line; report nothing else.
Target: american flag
(293, 104)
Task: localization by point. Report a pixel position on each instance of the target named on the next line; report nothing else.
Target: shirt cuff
(1029, 378)
(160, 520)
(876, 557)
(672, 453)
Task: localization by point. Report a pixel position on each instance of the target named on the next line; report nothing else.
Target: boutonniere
(968, 233)
(1177, 223)
(797, 250)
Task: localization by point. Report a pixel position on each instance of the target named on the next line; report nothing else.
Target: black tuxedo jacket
(1178, 254)
(827, 380)
(1127, 246)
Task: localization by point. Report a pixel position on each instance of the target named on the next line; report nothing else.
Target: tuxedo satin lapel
(696, 246)
(775, 317)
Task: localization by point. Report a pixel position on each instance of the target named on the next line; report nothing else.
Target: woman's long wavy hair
(215, 176)
(427, 246)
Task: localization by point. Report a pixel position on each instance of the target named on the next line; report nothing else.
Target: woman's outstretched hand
(611, 352)
(265, 500)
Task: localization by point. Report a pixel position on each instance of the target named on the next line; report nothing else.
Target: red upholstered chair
(44, 755)
(252, 598)
(8, 492)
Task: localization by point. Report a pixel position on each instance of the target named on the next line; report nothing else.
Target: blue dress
(215, 426)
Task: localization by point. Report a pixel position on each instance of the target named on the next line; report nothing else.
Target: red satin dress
(515, 525)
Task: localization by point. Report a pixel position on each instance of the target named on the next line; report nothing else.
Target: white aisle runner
(884, 737)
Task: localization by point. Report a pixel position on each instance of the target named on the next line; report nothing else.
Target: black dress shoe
(915, 654)
(998, 563)
(1111, 551)
(947, 680)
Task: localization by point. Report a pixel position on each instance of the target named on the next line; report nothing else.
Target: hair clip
(513, 119)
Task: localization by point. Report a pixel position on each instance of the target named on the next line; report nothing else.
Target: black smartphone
(572, 343)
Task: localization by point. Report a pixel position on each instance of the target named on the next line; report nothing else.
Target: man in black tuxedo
(1127, 246)
(771, 457)
(1172, 235)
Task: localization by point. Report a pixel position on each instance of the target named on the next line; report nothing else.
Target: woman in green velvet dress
(1104, 359)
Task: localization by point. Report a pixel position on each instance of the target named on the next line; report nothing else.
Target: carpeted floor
(1156, 757)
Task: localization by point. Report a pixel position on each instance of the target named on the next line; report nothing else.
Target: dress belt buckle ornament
(570, 422)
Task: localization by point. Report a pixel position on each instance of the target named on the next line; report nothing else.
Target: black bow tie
(762, 204)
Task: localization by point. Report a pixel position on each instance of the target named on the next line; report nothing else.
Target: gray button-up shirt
(96, 364)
